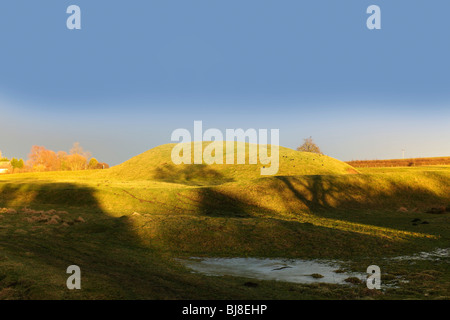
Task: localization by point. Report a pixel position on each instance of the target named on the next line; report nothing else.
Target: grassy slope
(129, 255)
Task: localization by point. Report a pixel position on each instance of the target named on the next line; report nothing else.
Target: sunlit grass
(376, 231)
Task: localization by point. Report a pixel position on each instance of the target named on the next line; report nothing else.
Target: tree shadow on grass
(356, 204)
(317, 195)
(114, 261)
(324, 193)
(214, 203)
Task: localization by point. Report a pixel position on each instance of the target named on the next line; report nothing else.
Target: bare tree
(77, 149)
(309, 146)
(76, 162)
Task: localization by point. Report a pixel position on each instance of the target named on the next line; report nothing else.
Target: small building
(5, 167)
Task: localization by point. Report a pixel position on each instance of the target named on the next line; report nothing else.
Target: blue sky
(137, 70)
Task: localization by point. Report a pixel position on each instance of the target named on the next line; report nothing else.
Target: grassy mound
(157, 164)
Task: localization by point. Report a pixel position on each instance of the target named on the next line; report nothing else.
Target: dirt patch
(49, 217)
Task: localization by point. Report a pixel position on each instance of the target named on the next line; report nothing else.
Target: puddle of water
(297, 271)
(435, 255)
(293, 270)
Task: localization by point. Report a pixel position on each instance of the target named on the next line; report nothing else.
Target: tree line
(42, 159)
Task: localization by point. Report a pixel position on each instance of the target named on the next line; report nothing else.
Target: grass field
(125, 227)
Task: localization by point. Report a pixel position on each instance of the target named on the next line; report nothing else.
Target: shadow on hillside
(210, 202)
(322, 193)
(218, 204)
(190, 174)
(317, 195)
(47, 194)
(114, 262)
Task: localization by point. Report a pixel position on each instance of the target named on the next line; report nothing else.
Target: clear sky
(139, 69)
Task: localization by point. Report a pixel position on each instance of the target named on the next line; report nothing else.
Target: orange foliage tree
(42, 159)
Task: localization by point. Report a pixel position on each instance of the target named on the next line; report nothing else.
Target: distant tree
(41, 159)
(78, 158)
(62, 159)
(17, 164)
(50, 160)
(93, 164)
(309, 146)
(77, 149)
(76, 162)
(13, 163)
(34, 157)
(103, 165)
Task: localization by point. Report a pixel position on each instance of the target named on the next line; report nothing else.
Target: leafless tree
(309, 146)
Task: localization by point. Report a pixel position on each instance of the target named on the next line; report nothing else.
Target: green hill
(157, 164)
